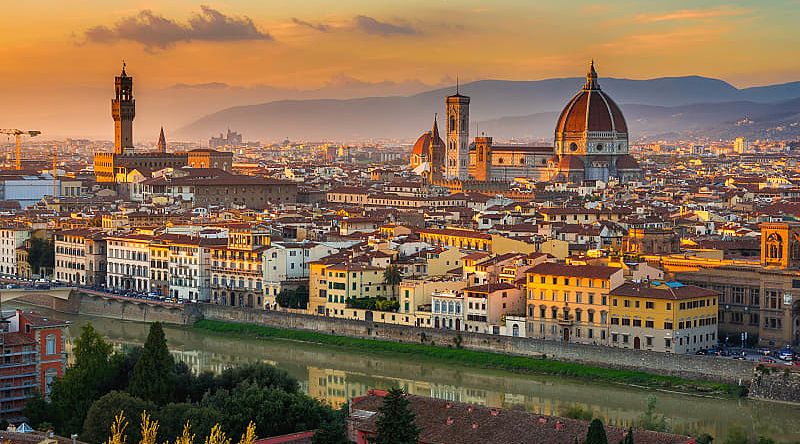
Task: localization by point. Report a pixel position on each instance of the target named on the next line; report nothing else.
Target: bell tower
(123, 110)
(457, 159)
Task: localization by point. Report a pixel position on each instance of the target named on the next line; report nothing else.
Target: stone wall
(689, 366)
(138, 311)
(776, 383)
(46, 301)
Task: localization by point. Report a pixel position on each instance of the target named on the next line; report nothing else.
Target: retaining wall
(688, 366)
(776, 383)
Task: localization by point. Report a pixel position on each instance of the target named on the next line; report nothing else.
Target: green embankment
(452, 354)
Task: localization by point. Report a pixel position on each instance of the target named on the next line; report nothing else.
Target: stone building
(591, 143)
(110, 168)
(758, 298)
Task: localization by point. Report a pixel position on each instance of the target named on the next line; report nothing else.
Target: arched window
(774, 246)
(515, 330)
(452, 122)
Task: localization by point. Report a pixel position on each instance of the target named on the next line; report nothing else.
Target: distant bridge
(8, 294)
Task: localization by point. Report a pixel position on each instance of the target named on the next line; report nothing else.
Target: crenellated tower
(123, 110)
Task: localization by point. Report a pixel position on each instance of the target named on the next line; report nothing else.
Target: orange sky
(311, 42)
(50, 47)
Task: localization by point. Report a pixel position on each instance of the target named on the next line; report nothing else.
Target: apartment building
(237, 274)
(189, 269)
(12, 236)
(353, 281)
(35, 356)
(129, 262)
(570, 303)
(667, 317)
(488, 305)
(80, 256)
(286, 261)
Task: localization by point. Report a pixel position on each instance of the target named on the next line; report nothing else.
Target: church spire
(591, 78)
(435, 130)
(162, 142)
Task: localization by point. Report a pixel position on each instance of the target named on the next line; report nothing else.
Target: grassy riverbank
(476, 358)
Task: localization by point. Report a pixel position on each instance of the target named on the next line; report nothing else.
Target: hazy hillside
(509, 109)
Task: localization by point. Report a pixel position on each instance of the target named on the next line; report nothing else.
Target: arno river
(336, 375)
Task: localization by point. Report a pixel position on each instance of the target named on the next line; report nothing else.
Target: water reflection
(335, 376)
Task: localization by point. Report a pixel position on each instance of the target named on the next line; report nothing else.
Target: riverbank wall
(83, 303)
(685, 366)
(776, 383)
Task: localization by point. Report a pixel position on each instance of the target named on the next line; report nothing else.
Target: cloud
(692, 14)
(158, 32)
(372, 26)
(321, 27)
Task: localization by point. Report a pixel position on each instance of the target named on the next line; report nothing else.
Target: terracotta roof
(672, 291)
(445, 422)
(456, 232)
(583, 271)
(627, 162)
(591, 110)
(490, 288)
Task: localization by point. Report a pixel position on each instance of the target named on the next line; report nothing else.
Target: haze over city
(193, 60)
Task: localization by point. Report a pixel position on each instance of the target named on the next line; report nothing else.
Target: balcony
(565, 320)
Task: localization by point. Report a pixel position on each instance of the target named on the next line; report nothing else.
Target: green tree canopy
(92, 375)
(153, 377)
(596, 433)
(396, 422)
(103, 411)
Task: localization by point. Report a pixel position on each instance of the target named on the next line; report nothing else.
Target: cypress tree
(596, 433)
(396, 422)
(153, 376)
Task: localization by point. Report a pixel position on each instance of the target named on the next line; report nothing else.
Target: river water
(336, 375)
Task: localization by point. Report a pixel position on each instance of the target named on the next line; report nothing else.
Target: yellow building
(570, 302)
(333, 283)
(441, 260)
(415, 296)
(667, 317)
(457, 237)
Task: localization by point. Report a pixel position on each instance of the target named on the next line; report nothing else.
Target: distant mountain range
(671, 107)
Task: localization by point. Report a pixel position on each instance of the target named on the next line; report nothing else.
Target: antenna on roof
(456, 85)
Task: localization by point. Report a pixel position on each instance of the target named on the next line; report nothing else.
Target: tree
(41, 254)
(104, 411)
(396, 422)
(92, 375)
(333, 430)
(596, 433)
(650, 420)
(392, 276)
(153, 376)
(297, 298)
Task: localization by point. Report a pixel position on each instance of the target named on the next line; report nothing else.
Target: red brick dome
(591, 110)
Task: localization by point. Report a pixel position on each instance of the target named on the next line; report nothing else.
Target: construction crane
(18, 136)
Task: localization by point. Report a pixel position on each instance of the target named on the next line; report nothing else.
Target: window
(648, 323)
(649, 305)
(50, 344)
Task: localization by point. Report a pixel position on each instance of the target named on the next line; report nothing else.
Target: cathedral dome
(591, 110)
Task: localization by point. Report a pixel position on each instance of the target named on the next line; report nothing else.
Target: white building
(289, 260)
(447, 310)
(189, 268)
(129, 262)
(11, 237)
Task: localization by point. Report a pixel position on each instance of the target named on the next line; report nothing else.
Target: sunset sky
(52, 47)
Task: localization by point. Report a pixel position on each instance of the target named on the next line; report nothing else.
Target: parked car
(786, 354)
(767, 360)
